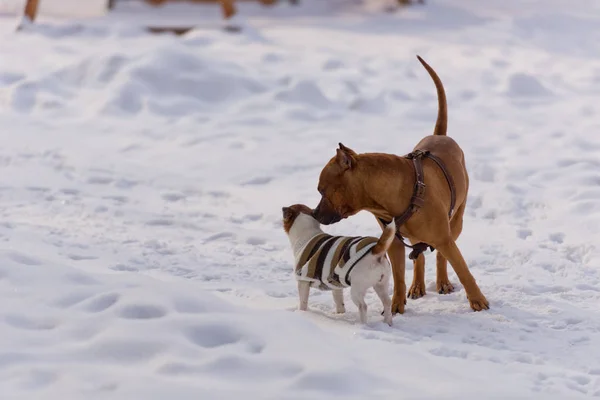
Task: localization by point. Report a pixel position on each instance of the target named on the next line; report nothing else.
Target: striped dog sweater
(326, 261)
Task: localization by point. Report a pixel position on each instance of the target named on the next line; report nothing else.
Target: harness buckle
(417, 154)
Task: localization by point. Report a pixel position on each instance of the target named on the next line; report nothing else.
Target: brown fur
(291, 213)
(383, 183)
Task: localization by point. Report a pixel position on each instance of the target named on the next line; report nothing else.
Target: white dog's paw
(388, 320)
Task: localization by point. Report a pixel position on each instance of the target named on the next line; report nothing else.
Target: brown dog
(382, 184)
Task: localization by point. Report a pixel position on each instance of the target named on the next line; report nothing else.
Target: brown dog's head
(338, 188)
(291, 213)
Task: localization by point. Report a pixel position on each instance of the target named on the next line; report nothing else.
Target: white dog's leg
(338, 299)
(357, 292)
(303, 291)
(381, 288)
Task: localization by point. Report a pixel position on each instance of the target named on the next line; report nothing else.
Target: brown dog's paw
(416, 291)
(479, 303)
(445, 287)
(398, 305)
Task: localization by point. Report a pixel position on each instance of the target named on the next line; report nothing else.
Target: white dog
(334, 262)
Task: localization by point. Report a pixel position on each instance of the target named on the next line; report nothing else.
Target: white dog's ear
(287, 212)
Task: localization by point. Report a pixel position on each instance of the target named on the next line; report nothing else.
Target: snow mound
(164, 334)
(166, 82)
(521, 85)
(304, 93)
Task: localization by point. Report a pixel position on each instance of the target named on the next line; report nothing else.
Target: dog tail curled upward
(441, 125)
(385, 240)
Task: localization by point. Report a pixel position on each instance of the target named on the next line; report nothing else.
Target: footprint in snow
(219, 236)
(38, 379)
(160, 222)
(70, 191)
(21, 322)
(23, 259)
(256, 241)
(500, 63)
(40, 189)
(8, 78)
(263, 180)
(333, 64)
(524, 233)
(173, 197)
(218, 194)
(272, 58)
(246, 218)
(557, 237)
(218, 335)
(81, 257)
(123, 267)
(100, 180)
(126, 183)
(141, 311)
(117, 199)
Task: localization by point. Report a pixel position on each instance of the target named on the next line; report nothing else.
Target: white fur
(371, 271)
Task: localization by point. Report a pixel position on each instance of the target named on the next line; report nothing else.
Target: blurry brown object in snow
(227, 6)
(31, 7)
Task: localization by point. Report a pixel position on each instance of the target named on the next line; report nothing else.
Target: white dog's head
(291, 214)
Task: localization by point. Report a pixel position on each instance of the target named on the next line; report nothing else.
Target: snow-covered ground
(142, 180)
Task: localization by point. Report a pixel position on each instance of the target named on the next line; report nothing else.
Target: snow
(58, 8)
(143, 178)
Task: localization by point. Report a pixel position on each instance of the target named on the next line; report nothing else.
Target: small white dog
(334, 262)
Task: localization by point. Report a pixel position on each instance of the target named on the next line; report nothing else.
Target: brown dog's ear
(347, 149)
(345, 159)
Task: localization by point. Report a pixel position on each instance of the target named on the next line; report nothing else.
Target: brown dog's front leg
(417, 289)
(397, 256)
(451, 252)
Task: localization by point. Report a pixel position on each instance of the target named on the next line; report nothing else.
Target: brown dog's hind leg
(451, 252)
(417, 289)
(397, 256)
(442, 281)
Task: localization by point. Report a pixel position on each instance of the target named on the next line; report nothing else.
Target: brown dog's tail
(385, 241)
(441, 125)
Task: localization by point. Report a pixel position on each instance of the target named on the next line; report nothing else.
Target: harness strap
(347, 280)
(417, 200)
(448, 179)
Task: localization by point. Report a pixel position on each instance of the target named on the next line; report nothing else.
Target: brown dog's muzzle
(325, 214)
